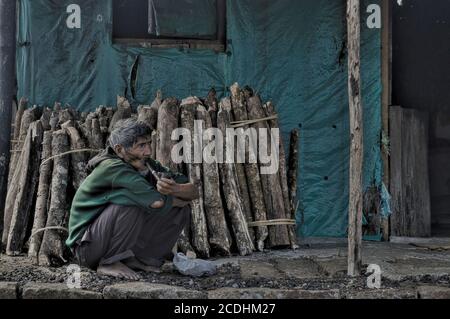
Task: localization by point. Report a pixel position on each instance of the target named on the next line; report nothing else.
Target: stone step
(267, 293)
(8, 290)
(142, 290)
(56, 291)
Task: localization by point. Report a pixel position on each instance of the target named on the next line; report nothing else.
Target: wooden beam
(386, 95)
(356, 139)
(7, 77)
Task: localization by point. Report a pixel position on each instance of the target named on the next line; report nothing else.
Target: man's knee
(119, 212)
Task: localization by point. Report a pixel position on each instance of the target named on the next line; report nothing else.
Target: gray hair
(126, 132)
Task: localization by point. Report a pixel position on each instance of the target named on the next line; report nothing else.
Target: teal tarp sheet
(183, 18)
(292, 52)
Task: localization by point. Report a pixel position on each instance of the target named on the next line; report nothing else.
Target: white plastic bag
(193, 267)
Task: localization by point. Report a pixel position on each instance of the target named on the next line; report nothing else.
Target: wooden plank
(410, 189)
(386, 94)
(416, 187)
(356, 142)
(395, 120)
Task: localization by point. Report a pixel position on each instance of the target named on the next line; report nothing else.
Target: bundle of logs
(239, 209)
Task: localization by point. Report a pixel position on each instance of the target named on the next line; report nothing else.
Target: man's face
(138, 153)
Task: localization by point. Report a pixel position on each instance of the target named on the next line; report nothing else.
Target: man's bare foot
(118, 270)
(136, 264)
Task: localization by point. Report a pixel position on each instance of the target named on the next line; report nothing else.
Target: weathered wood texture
(26, 118)
(123, 111)
(228, 177)
(271, 187)
(215, 215)
(18, 118)
(386, 93)
(45, 118)
(92, 131)
(356, 138)
(199, 230)
(293, 170)
(212, 105)
(52, 247)
(29, 115)
(104, 115)
(149, 114)
(43, 193)
(26, 177)
(410, 190)
(269, 110)
(78, 159)
(240, 114)
(167, 122)
(66, 115)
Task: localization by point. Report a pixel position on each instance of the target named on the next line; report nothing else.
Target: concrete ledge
(382, 294)
(8, 290)
(301, 268)
(262, 269)
(141, 290)
(433, 292)
(266, 293)
(56, 291)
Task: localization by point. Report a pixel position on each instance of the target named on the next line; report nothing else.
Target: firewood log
(96, 137)
(269, 109)
(43, 193)
(26, 178)
(28, 116)
(18, 119)
(149, 114)
(198, 219)
(293, 171)
(52, 246)
(167, 122)
(54, 121)
(77, 160)
(65, 115)
(123, 111)
(45, 118)
(278, 235)
(103, 120)
(229, 182)
(240, 114)
(184, 242)
(219, 237)
(212, 106)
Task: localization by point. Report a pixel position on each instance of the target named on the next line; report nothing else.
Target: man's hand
(186, 192)
(167, 186)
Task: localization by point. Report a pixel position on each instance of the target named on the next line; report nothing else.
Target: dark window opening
(170, 23)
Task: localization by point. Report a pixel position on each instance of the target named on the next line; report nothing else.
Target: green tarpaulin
(292, 52)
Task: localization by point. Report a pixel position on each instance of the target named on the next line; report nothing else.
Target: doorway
(421, 82)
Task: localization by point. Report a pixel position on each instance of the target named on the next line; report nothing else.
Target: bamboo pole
(356, 139)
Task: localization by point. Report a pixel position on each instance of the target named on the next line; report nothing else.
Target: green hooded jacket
(113, 181)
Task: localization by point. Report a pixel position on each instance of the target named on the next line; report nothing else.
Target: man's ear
(119, 150)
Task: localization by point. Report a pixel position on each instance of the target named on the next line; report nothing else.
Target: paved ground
(316, 270)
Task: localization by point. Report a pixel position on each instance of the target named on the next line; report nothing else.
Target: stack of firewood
(239, 209)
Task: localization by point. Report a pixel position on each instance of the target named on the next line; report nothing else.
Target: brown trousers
(122, 232)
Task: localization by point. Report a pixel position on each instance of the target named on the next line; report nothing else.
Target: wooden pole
(356, 139)
(386, 32)
(7, 76)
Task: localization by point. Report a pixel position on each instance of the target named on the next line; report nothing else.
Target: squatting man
(129, 212)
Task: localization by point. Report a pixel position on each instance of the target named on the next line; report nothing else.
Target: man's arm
(185, 192)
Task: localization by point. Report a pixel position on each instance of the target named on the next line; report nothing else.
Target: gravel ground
(21, 270)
